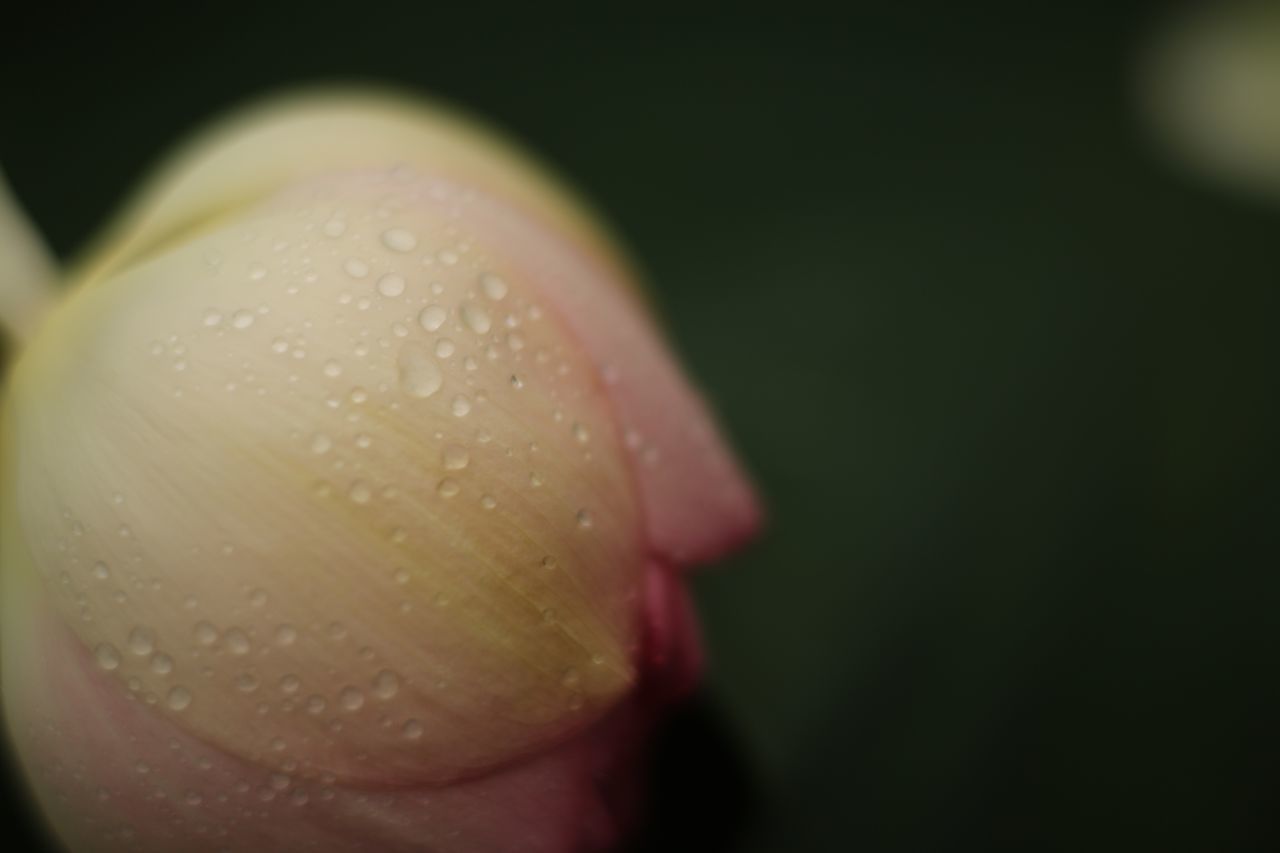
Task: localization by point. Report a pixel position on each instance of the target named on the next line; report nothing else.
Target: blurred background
(987, 295)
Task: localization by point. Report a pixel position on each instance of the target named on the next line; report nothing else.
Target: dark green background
(1006, 376)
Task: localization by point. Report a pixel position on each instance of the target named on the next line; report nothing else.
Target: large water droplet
(386, 684)
(355, 268)
(399, 240)
(455, 457)
(419, 374)
(237, 641)
(391, 285)
(493, 286)
(351, 699)
(205, 634)
(476, 318)
(432, 317)
(107, 656)
(141, 641)
(179, 698)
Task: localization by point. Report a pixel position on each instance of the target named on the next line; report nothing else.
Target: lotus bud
(347, 493)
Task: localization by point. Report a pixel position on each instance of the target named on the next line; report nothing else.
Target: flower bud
(350, 463)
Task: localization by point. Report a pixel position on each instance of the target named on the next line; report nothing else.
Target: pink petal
(698, 502)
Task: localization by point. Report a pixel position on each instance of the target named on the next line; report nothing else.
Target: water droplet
(419, 374)
(335, 227)
(432, 317)
(237, 641)
(386, 684)
(321, 443)
(178, 698)
(448, 487)
(584, 519)
(391, 285)
(286, 635)
(101, 571)
(535, 479)
(412, 730)
(141, 641)
(107, 656)
(355, 268)
(258, 597)
(290, 683)
(445, 348)
(193, 798)
(332, 369)
(493, 286)
(280, 345)
(212, 317)
(399, 240)
(363, 441)
(316, 705)
(455, 457)
(548, 562)
(476, 318)
(351, 699)
(581, 434)
(205, 634)
(488, 501)
(280, 781)
(247, 682)
(461, 406)
(257, 272)
(337, 630)
(360, 492)
(161, 664)
(571, 679)
(242, 319)
(401, 576)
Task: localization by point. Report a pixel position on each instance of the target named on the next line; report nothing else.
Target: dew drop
(178, 698)
(286, 635)
(107, 656)
(445, 348)
(212, 317)
(488, 501)
(391, 285)
(247, 682)
(432, 317)
(460, 406)
(101, 571)
(412, 730)
(419, 374)
(242, 319)
(401, 576)
(359, 492)
(332, 369)
(290, 684)
(335, 227)
(584, 519)
(455, 457)
(161, 664)
(141, 641)
(581, 434)
(351, 699)
(476, 318)
(237, 641)
(205, 634)
(448, 487)
(399, 240)
(257, 597)
(316, 705)
(355, 268)
(386, 684)
(493, 286)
